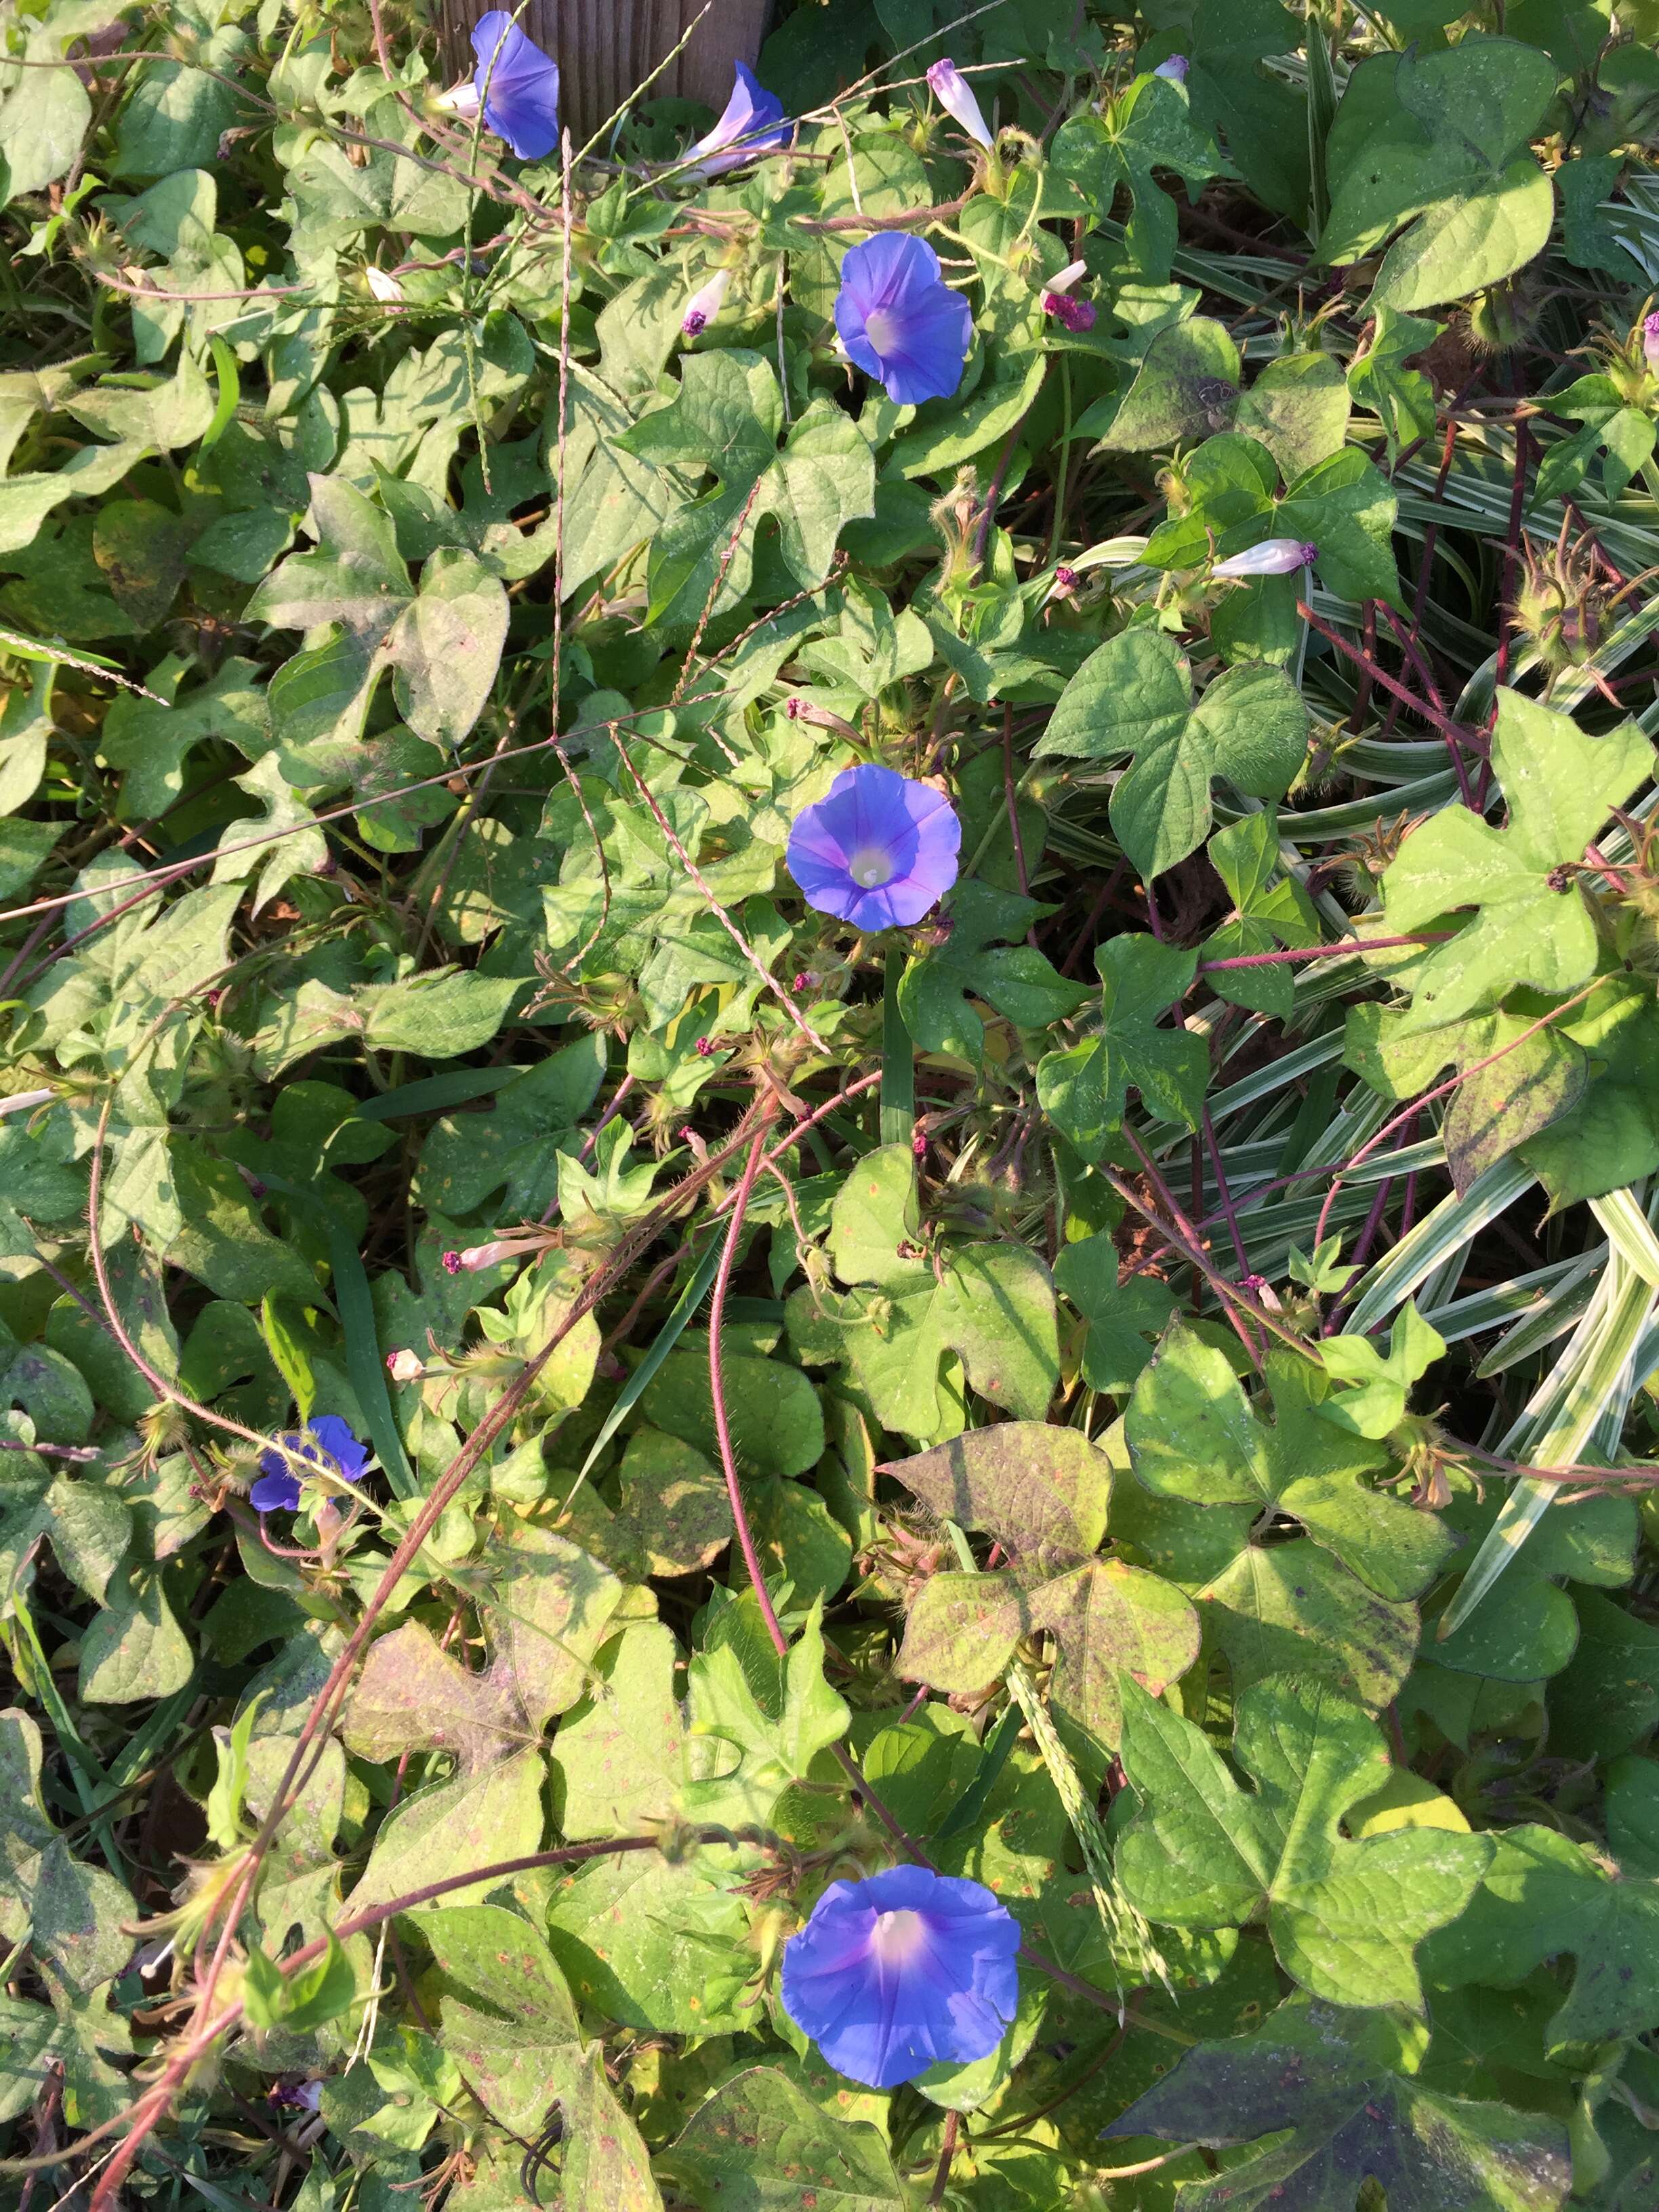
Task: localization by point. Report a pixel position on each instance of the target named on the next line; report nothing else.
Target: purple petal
(956, 96)
(753, 119)
(274, 1494)
(899, 320)
(335, 1438)
(884, 2000)
(519, 85)
(871, 809)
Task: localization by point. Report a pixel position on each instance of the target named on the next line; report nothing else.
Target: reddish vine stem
(946, 2159)
(1233, 1297)
(1441, 1091)
(717, 1386)
(1349, 949)
(1458, 733)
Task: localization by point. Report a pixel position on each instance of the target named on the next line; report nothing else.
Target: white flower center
(896, 1935)
(882, 331)
(871, 868)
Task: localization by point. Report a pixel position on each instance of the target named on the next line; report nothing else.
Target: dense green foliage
(1179, 1325)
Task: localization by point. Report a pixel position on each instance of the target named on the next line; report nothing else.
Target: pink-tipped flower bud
(1651, 342)
(956, 96)
(1275, 556)
(404, 1367)
(703, 306)
(478, 1256)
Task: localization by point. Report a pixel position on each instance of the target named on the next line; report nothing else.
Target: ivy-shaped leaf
(1340, 2087)
(1043, 1493)
(1533, 925)
(1250, 725)
(991, 1304)
(1224, 1488)
(1345, 1918)
(727, 418)
(1084, 1090)
(353, 597)
(1020, 983)
(1118, 149)
(1545, 1895)
(1267, 915)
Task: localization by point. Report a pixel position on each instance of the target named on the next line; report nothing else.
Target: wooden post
(605, 48)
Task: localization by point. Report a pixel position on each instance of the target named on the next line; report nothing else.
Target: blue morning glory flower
(878, 851)
(517, 84)
(754, 119)
(908, 1970)
(900, 321)
(327, 1442)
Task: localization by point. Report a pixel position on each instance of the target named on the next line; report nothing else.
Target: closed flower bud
(1275, 556)
(404, 1367)
(703, 306)
(1175, 70)
(384, 287)
(1651, 342)
(956, 96)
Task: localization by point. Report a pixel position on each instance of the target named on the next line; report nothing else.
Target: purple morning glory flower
(956, 96)
(908, 1970)
(879, 850)
(1175, 69)
(327, 1442)
(900, 321)
(754, 119)
(1071, 315)
(517, 86)
(1651, 342)
(1275, 556)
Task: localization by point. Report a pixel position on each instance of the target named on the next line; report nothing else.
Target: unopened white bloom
(404, 1367)
(704, 305)
(384, 287)
(1275, 556)
(956, 95)
(1067, 276)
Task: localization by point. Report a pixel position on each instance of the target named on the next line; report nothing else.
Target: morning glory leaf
(1533, 925)
(1192, 1435)
(1043, 1493)
(1378, 1405)
(725, 420)
(936, 990)
(1344, 1918)
(1084, 1090)
(1544, 1895)
(1250, 725)
(1340, 2088)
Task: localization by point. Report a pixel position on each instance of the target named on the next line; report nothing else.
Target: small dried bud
(704, 1047)
(451, 1263)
